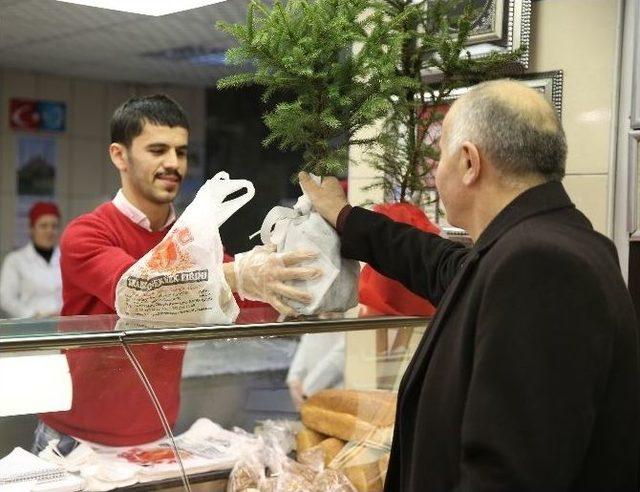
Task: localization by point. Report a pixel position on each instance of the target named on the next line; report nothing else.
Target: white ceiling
(72, 40)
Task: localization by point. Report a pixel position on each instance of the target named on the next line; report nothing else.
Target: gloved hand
(261, 275)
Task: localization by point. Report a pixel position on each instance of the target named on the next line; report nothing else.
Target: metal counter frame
(215, 332)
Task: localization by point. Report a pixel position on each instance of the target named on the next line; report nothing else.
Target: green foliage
(341, 65)
(434, 57)
(304, 49)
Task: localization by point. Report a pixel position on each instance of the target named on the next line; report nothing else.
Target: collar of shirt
(137, 216)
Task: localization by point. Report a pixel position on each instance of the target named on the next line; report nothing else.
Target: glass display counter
(142, 406)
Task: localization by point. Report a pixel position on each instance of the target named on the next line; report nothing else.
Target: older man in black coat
(528, 377)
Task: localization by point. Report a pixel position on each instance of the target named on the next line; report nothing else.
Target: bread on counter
(332, 481)
(383, 466)
(376, 407)
(351, 415)
(365, 478)
(307, 438)
(359, 425)
(244, 477)
(343, 426)
(331, 447)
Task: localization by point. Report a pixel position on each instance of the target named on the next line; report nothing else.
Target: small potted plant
(343, 65)
(302, 51)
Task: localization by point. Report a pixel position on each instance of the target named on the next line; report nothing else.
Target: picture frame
(501, 26)
(635, 87)
(550, 84)
(490, 23)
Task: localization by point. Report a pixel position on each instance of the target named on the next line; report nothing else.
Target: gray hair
(519, 140)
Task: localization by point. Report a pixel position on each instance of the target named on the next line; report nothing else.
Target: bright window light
(34, 384)
(146, 7)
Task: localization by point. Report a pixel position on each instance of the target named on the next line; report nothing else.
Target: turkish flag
(24, 114)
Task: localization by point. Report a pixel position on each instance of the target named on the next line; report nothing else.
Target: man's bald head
(513, 125)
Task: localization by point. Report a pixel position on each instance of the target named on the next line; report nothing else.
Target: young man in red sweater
(110, 406)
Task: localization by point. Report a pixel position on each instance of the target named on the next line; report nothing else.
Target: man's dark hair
(129, 119)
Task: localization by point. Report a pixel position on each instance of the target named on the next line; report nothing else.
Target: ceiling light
(146, 7)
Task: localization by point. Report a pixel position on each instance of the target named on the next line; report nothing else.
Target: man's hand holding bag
(302, 228)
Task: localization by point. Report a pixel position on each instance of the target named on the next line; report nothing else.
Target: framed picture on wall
(635, 94)
(633, 192)
(498, 26)
(550, 84)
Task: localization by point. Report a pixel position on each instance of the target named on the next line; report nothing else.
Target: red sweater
(110, 404)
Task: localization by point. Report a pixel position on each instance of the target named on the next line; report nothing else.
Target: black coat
(527, 379)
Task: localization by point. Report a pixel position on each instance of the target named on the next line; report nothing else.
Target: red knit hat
(42, 208)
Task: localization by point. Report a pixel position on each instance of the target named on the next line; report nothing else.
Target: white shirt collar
(136, 215)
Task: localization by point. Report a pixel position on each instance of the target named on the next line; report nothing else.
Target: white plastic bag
(181, 279)
(302, 228)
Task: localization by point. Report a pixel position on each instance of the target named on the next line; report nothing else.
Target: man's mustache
(171, 172)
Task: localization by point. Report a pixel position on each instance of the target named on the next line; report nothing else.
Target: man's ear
(471, 162)
(118, 154)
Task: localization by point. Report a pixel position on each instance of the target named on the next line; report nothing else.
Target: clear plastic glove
(261, 275)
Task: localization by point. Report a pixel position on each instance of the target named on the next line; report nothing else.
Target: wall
(581, 38)
(85, 176)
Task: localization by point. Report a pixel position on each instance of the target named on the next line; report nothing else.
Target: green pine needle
(346, 64)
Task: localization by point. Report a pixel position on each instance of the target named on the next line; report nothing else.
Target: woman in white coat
(317, 364)
(30, 282)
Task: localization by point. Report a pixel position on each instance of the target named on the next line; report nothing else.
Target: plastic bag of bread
(181, 279)
(354, 431)
(332, 481)
(364, 466)
(306, 438)
(313, 457)
(383, 465)
(248, 473)
(302, 228)
(295, 477)
(325, 451)
(351, 415)
(280, 434)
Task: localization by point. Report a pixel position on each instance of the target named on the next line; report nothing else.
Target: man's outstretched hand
(328, 198)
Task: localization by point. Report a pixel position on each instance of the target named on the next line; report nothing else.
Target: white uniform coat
(30, 286)
(319, 362)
